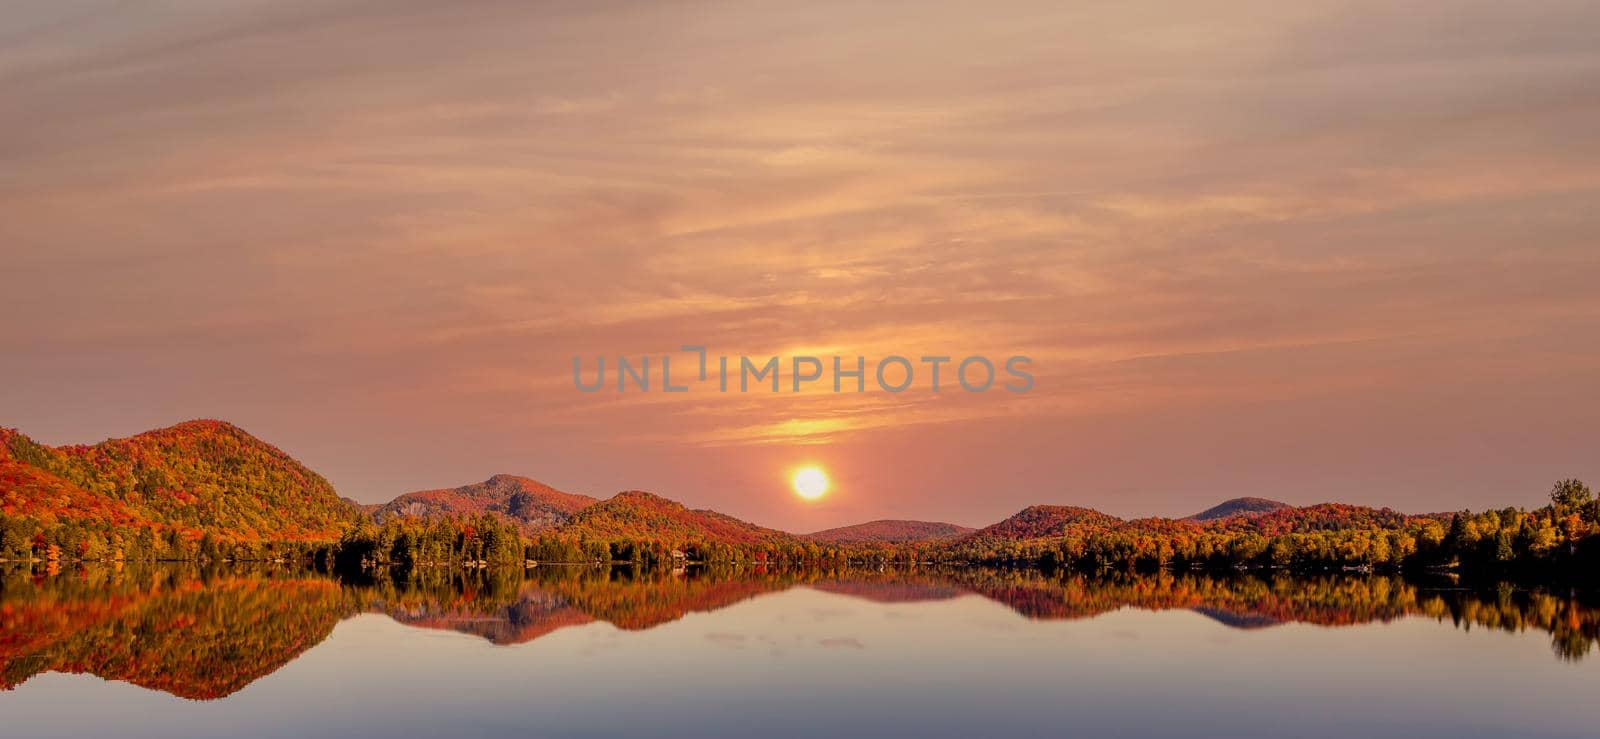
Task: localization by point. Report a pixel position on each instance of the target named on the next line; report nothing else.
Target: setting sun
(810, 482)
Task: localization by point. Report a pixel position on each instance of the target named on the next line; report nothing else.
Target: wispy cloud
(341, 220)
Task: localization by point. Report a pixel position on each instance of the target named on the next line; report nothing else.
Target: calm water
(596, 653)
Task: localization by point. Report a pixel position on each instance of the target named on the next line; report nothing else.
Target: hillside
(1042, 521)
(532, 505)
(189, 480)
(1238, 506)
(209, 490)
(638, 515)
(889, 531)
(33, 492)
(1033, 528)
(1318, 518)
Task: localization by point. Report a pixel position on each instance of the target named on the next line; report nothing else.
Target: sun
(810, 482)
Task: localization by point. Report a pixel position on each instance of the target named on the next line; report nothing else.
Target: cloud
(405, 218)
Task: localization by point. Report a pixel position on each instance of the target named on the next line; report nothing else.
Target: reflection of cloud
(825, 614)
(842, 643)
(600, 642)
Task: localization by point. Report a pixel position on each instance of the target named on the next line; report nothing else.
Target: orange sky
(1307, 251)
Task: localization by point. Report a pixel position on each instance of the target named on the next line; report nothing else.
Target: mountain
(1320, 517)
(1238, 506)
(889, 531)
(1034, 525)
(639, 515)
(195, 478)
(532, 505)
(1043, 521)
(356, 505)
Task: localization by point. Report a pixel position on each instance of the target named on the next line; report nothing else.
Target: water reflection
(206, 634)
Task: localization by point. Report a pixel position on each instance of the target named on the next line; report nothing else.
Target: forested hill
(209, 490)
(529, 504)
(636, 514)
(1045, 521)
(162, 489)
(1239, 507)
(889, 531)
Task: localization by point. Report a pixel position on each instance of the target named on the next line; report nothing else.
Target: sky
(1308, 251)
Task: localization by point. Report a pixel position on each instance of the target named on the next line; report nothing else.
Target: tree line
(1561, 537)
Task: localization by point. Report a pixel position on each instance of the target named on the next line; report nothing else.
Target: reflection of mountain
(1327, 600)
(899, 591)
(1236, 620)
(635, 604)
(535, 613)
(189, 637)
(558, 597)
(206, 635)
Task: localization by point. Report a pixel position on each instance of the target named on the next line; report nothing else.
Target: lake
(177, 651)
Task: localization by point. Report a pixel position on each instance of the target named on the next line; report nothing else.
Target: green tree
(1571, 493)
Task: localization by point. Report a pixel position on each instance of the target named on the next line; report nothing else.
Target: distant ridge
(532, 505)
(1237, 507)
(889, 531)
(207, 489)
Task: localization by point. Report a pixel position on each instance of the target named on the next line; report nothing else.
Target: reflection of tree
(1326, 600)
(207, 634)
(1247, 601)
(641, 600)
(496, 604)
(506, 608)
(909, 591)
(181, 633)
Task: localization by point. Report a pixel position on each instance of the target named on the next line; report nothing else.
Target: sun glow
(810, 482)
